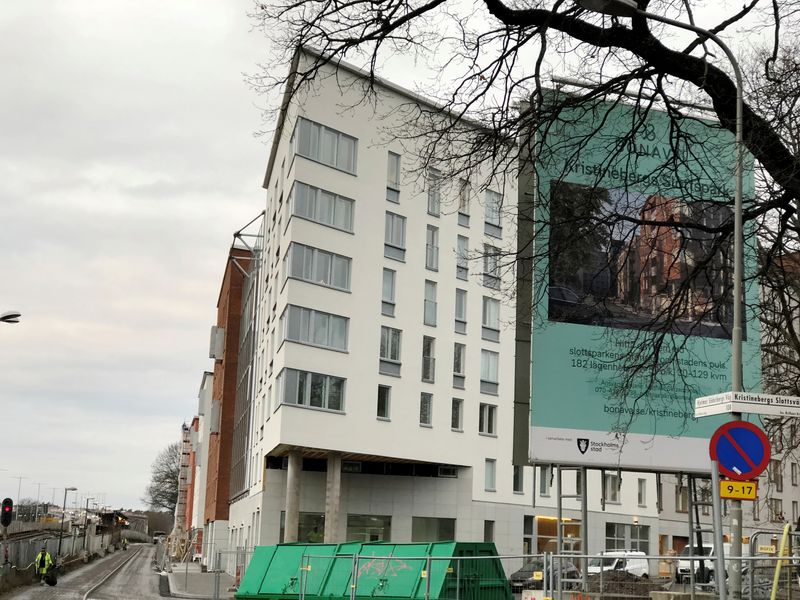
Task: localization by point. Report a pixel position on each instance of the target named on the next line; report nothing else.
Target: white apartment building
(377, 401)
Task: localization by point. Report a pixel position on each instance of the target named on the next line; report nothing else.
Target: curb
(171, 589)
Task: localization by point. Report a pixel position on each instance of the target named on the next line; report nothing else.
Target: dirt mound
(623, 583)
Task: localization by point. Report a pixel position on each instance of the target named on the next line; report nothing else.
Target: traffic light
(5, 516)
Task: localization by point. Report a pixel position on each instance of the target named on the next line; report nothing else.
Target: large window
(457, 415)
(487, 419)
(462, 257)
(464, 192)
(434, 192)
(429, 308)
(432, 248)
(369, 528)
(393, 178)
(491, 319)
(545, 476)
(519, 483)
(641, 491)
(387, 293)
(621, 536)
(395, 237)
(491, 266)
(682, 498)
(490, 475)
(311, 389)
(776, 474)
(776, 510)
(318, 328)
(432, 529)
(426, 409)
(317, 266)
(325, 145)
(428, 359)
(322, 206)
(489, 368)
(615, 536)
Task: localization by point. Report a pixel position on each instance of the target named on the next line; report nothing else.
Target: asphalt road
(135, 580)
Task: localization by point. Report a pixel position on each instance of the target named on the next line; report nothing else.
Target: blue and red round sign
(741, 449)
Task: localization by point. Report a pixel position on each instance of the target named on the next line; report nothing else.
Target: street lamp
(10, 316)
(629, 8)
(63, 511)
(86, 522)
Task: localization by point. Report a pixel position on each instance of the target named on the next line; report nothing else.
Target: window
(462, 257)
(527, 534)
(518, 480)
(490, 475)
(432, 529)
(489, 379)
(776, 474)
(794, 511)
(393, 178)
(640, 538)
(461, 311)
(369, 528)
(794, 473)
(459, 365)
(322, 206)
(395, 237)
(756, 511)
(384, 393)
(308, 326)
(488, 531)
(429, 309)
(578, 483)
(776, 510)
(390, 343)
(432, 249)
(494, 202)
(487, 419)
(311, 389)
(387, 293)
(464, 192)
(426, 409)
(457, 415)
(434, 191)
(615, 536)
(325, 145)
(491, 267)
(612, 482)
(491, 319)
(681, 499)
(390, 351)
(317, 266)
(545, 475)
(641, 491)
(428, 359)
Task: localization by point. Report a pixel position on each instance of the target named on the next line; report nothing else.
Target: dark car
(563, 304)
(531, 575)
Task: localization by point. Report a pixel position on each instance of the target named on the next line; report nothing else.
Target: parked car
(531, 575)
(630, 561)
(159, 536)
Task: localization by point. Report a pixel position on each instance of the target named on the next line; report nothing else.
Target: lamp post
(10, 316)
(629, 8)
(38, 493)
(86, 522)
(63, 511)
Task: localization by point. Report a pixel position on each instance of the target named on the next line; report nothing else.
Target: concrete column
(333, 497)
(292, 517)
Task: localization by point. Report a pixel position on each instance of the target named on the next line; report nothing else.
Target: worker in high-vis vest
(43, 562)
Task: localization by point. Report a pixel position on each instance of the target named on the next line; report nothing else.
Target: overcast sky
(127, 161)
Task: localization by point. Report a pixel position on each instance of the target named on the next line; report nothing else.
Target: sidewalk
(188, 581)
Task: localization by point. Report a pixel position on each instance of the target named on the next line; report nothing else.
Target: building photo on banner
(633, 315)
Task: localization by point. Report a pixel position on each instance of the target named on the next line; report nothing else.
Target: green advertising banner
(633, 289)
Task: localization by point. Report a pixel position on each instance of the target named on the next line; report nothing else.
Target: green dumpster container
(383, 570)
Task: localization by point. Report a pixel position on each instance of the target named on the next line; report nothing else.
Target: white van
(630, 561)
(709, 560)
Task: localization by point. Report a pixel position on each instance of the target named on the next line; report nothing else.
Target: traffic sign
(747, 402)
(741, 450)
(738, 490)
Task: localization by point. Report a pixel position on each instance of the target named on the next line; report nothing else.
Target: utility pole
(36, 511)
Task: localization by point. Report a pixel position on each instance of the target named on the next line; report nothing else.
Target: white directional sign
(747, 402)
